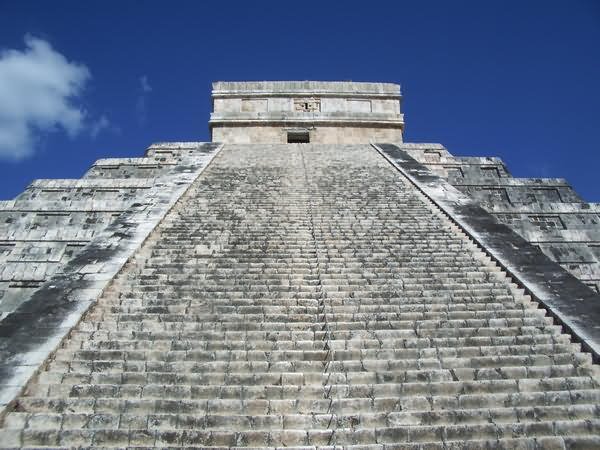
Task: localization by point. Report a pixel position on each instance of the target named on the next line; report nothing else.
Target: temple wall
(332, 112)
(318, 135)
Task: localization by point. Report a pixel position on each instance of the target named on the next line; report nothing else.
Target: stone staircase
(547, 212)
(309, 296)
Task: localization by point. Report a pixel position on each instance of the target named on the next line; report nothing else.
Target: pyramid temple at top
(305, 280)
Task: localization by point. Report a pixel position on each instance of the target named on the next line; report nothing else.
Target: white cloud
(140, 106)
(38, 90)
(145, 85)
(99, 125)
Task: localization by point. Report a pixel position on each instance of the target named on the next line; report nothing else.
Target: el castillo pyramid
(305, 280)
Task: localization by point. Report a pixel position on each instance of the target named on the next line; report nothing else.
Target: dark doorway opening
(298, 137)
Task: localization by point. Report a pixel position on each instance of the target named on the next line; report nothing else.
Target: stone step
(136, 405)
(316, 332)
(112, 373)
(326, 365)
(133, 405)
(335, 270)
(516, 416)
(178, 296)
(515, 334)
(473, 328)
(375, 287)
(299, 437)
(458, 311)
(326, 354)
(274, 314)
(290, 391)
(83, 437)
(125, 341)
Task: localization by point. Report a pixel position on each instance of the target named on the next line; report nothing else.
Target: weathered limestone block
(546, 212)
(53, 220)
(129, 168)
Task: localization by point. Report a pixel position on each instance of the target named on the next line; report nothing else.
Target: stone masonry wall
(318, 134)
(334, 112)
(48, 224)
(547, 212)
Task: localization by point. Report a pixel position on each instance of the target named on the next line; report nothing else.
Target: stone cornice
(390, 121)
(305, 88)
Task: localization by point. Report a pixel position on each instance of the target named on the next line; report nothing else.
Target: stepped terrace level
(311, 296)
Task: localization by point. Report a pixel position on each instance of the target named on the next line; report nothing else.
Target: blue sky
(86, 80)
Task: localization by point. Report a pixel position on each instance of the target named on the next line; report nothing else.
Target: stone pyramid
(298, 284)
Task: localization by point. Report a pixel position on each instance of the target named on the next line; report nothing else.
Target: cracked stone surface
(310, 296)
(52, 221)
(35, 325)
(546, 212)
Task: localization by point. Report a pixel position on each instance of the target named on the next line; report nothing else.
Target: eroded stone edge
(34, 331)
(573, 304)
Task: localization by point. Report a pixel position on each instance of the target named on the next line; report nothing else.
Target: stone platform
(310, 296)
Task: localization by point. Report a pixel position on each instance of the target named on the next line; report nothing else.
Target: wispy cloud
(543, 169)
(141, 107)
(144, 84)
(100, 125)
(39, 90)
